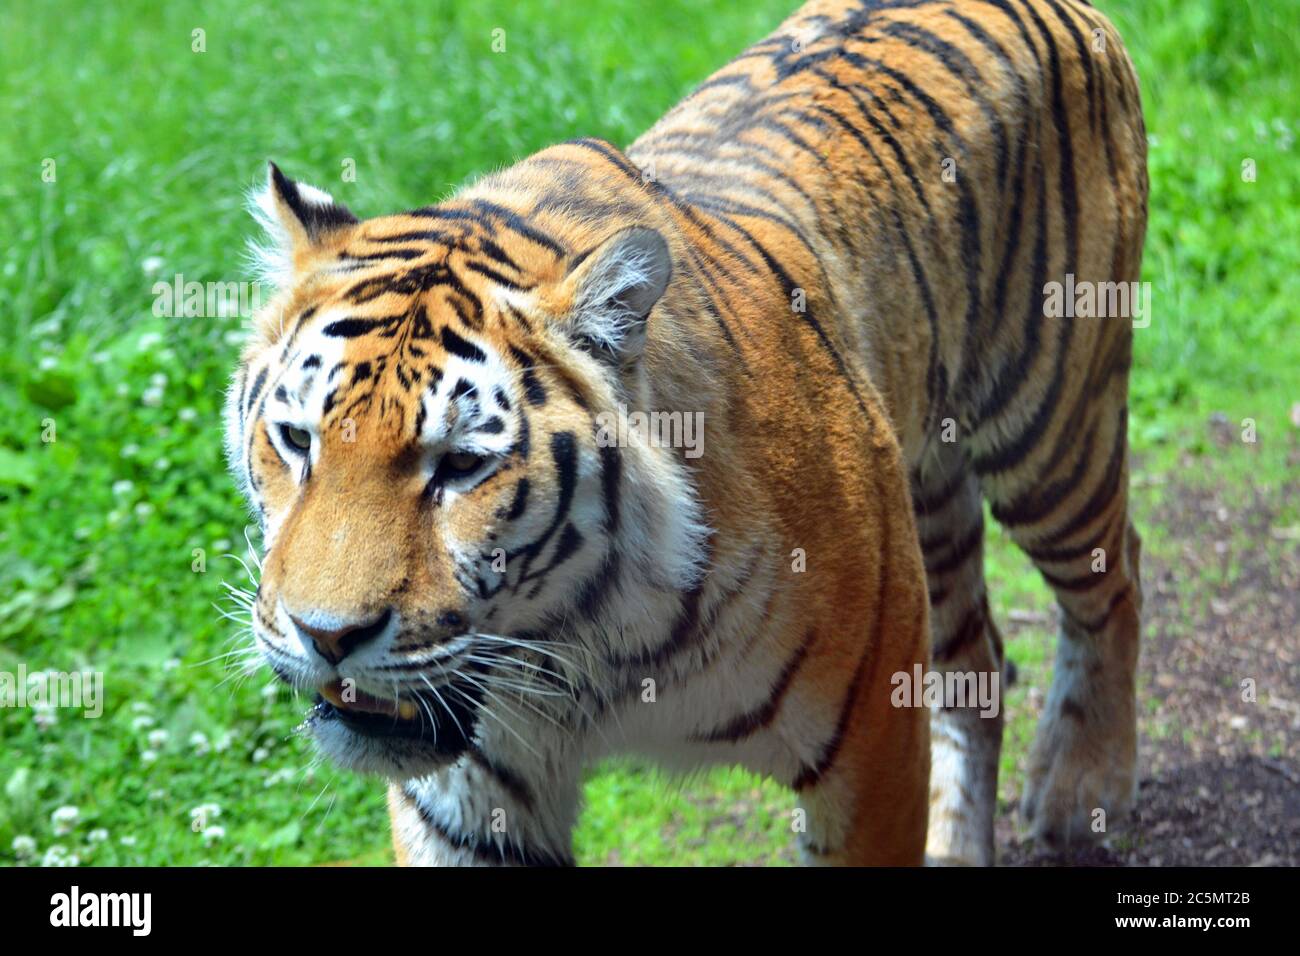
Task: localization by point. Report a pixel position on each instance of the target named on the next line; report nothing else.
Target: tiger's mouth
(404, 716)
(414, 733)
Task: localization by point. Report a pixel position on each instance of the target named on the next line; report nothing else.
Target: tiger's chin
(389, 745)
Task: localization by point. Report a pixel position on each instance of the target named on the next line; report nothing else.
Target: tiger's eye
(462, 463)
(298, 438)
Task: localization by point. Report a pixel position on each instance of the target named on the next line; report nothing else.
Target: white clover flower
(171, 664)
(143, 509)
(158, 738)
(271, 690)
(158, 380)
(141, 707)
(141, 722)
(199, 741)
(123, 487)
(98, 835)
(221, 546)
(45, 718)
(206, 811)
(130, 450)
(283, 775)
(152, 265)
(187, 414)
(64, 818)
(23, 846)
(148, 756)
(58, 856)
(222, 743)
(99, 358)
(122, 390)
(49, 362)
(127, 841)
(260, 754)
(212, 834)
(162, 464)
(153, 397)
(149, 340)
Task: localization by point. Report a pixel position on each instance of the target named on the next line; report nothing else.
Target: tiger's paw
(1082, 774)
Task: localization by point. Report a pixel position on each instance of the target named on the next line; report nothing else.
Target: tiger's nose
(334, 644)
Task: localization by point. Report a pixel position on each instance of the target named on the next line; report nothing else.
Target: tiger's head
(412, 422)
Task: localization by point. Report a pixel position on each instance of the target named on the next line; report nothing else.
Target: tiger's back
(922, 171)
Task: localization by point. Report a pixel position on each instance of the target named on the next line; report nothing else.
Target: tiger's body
(836, 251)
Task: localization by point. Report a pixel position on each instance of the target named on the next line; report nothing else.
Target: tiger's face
(413, 426)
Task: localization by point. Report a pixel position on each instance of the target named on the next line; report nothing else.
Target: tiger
(491, 574)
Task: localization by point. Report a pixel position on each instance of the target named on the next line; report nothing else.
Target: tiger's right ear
(298, 220)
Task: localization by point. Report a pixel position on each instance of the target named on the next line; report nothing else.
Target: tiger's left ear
(613, 289)
(298, 219)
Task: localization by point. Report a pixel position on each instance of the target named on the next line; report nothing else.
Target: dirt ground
(1220, 776)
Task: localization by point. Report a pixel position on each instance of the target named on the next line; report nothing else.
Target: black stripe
(1085, 582)
(1106, 491)
(566, 547)
(965, 634)
(351, 328)
(256, 390)
(594, 592)
(1061, 120)
(926, 501)
(962, 549)
(400, 253)
(520, 502)
(762, 716)
(533, 389)
(1084, 58)
(505, 778)
(564, 454)
(497, 277)
(490, 215)
(1013, 372)
(682, 635)
(1098, 623)
(483, 849)
(458, 346)
(611, 479)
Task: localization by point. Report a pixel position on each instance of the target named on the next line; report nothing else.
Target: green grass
(152, 147)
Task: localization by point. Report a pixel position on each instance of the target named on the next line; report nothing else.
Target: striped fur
(784, 254)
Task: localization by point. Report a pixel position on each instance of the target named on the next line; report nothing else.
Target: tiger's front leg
(866, 795)
(865, 751)
(478, 813)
